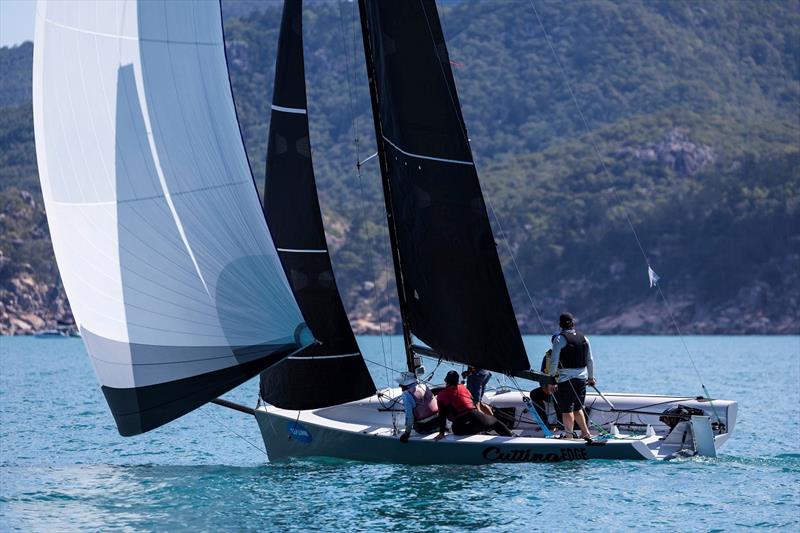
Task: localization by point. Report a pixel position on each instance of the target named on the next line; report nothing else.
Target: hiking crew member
(455, 403)
(543, 398)
(544, 401)
(419, 404)
(572, 365)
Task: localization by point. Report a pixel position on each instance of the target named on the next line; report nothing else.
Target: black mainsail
(333, 371)
(451, 286)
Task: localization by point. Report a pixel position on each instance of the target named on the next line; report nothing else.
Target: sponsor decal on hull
(298, 432)
(494, 454)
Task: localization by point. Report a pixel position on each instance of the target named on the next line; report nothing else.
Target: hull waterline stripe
(342, 356)
(442, 160)
(295, 110)
(301, 251)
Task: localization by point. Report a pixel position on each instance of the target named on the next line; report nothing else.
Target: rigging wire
(293, 427)
(589, 423)
(352, 102)
(588, 130)
(376, 363)
(245, 439)
(617, 198)
(489, 202)
(683, 341)
(387, 247)
(430, 376)
(514, 262)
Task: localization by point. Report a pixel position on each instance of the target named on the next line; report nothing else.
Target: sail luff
(457, 300)
(332, 371)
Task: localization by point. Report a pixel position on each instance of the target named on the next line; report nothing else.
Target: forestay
(333, 371)
(455, 295)
(156, 225)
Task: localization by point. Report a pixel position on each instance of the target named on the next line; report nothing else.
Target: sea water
(63, 466)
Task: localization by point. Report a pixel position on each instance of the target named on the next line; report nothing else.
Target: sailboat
(184, 286)
(453, 299)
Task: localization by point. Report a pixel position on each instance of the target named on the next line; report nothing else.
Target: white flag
(653, 276)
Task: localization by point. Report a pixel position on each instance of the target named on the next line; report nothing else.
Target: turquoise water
(64, 467)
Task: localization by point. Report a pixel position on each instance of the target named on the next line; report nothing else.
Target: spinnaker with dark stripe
(332, 371)
(159, 236)
(451, 287)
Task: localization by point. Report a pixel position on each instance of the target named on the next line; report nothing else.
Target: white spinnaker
(157, 229)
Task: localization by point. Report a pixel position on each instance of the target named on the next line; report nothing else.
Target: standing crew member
(455, 403)
(571, 363)
(477, 378)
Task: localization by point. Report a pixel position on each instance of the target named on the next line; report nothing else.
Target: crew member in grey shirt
(572, 364)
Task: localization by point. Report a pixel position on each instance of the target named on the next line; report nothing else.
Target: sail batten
(332, 371)
(311, 358)
(289, 109)
(161, 244)
(428, 157)
(451, 286)
(301, 251)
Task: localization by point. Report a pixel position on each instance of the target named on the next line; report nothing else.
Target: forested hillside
(688, 131)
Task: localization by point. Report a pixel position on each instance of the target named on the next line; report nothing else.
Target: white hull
(365, 430)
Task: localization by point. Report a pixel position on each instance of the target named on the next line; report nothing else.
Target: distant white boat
(49, 334)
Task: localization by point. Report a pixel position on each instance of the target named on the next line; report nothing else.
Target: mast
(387, 191)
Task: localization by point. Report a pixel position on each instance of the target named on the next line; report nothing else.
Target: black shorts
(476, 422)
(428, 425)
(571, 395)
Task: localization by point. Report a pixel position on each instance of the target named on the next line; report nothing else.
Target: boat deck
(368, 429)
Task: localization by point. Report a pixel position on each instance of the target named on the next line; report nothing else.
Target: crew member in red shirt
(455, 403)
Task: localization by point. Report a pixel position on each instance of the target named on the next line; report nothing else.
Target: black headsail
(452, 290)
(334, 371)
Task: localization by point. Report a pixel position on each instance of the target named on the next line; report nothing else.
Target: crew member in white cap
(419, 404)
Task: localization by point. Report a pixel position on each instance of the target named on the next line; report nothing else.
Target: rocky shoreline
(30, 307)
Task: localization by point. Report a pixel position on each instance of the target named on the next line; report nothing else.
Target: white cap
(406, 379)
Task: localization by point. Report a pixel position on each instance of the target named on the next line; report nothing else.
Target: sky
(16, 21)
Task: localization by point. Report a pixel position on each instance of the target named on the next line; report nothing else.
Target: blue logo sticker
(298, 432)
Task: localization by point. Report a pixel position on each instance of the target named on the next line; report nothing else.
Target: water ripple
(64, 467)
